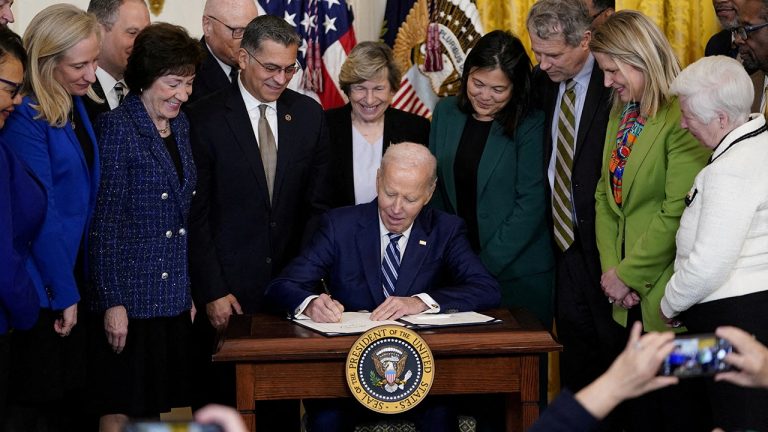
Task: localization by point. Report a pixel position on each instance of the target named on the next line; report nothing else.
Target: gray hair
(566, 18)
(412, 156)
(268, 27)
(713, 84)
(106, 10)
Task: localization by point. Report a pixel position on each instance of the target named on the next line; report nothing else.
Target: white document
(447, 319)
(351, 323)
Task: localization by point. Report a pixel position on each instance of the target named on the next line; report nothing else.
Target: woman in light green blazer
(649, 163)
(488, 145)
(648, 167)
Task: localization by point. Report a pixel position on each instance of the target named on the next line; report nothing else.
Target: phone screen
(697, 355)
(173, 426)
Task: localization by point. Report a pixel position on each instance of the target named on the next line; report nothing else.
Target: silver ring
(610, 300)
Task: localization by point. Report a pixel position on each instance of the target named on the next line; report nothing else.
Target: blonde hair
(49, 35)
(365, 62)
(631, 38)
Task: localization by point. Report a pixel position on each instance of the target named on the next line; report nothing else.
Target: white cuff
(432, 306)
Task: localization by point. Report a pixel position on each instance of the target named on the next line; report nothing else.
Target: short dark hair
(11, 45)
(500, 49)
(106, 10)
(161, 49)
(268, 27)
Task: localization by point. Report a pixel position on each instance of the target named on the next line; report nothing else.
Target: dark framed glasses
(15, 87)
(237, 32)
(275, 69)
(743, 32)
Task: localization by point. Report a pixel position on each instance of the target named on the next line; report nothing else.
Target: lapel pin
(287, 117)
(422, 242)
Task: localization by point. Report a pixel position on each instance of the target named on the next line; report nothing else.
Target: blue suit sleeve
(51, 253)
(18, 297)
(565, 414)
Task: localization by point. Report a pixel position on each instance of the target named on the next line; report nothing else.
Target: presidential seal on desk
(390, 369)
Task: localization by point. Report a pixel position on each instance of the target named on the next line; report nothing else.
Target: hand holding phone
(697, 355)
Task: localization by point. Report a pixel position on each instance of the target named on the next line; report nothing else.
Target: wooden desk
(276, 359)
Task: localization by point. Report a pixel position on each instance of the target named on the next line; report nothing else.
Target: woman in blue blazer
(22, 209)
(138, 239)
(50, 132)
(488, 145)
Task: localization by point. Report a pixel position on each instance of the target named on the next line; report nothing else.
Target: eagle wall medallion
(390, 369)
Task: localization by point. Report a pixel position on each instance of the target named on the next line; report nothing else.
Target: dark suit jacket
(587, 161)
(209, 76)
(239, 240)
(94, 108)
(721, 44)
(564, 414)
(399, 126)
(346, 252)
(138, 238)
(22, 211)
(56, 158)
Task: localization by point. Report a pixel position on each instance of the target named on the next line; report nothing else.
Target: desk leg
(246, 402)
(529, 391)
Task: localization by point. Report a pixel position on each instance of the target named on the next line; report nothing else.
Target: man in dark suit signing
(224, 23)
(391, 257)
(574, 99)
(261, 156)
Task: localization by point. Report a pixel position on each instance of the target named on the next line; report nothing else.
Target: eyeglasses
(16, 87)
(742, 32)
(275, 69)
(237, 32)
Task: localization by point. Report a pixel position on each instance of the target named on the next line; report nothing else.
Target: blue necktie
(390, 265)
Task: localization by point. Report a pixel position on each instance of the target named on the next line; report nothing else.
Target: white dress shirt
(252, 105)
(108, 82)
(366, 159)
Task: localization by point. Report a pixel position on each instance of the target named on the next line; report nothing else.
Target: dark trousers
(734, 407)
(591, 338)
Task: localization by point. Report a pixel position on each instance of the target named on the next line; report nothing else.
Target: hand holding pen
(324, 308)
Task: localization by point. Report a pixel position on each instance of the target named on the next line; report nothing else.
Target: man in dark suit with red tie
(261, 152)
(569, 81)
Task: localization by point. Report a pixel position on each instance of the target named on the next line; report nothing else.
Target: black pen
(325, 287)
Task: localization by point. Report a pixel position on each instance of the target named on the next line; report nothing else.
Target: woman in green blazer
(649, 163)
(648, 167)
(488, 145)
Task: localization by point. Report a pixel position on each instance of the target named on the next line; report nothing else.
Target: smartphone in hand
(171, 426)
(697, 355)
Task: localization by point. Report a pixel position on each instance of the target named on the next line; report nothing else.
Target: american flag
(327, 37)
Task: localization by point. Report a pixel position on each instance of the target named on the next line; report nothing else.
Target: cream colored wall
(369, 14)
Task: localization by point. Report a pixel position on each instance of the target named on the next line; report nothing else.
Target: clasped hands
(618, 292)
(325, 309)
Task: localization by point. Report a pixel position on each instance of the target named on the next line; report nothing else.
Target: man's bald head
(219, 18)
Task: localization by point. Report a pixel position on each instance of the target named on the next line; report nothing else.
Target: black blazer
(721, 43)
(209, 76)
(587, 162)
(399, 126)
(239, 240)
(94, 108)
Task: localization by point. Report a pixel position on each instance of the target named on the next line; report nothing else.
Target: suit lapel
(646, 141)
(287, 120)
(240, 124)
(591, 106)
(495, 146)
(368, 244)
(411, 261)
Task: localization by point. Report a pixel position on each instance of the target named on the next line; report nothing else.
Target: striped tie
(390, 265)
(562, 208)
